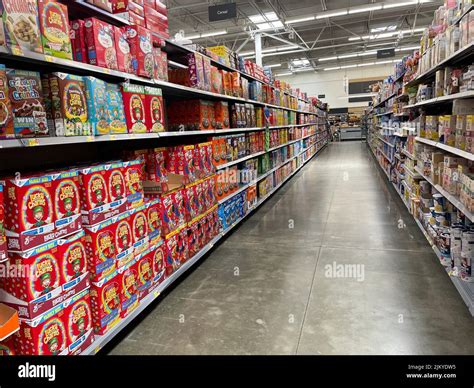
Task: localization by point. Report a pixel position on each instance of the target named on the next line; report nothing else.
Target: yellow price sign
(32, 142)
(113, 137)
(17, 51)
(97, 349)
(90, 138)
(49, 58)
(156, 294)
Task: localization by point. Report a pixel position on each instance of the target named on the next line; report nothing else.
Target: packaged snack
(124, 240)
(122, 48)
(78, 318)
(54, 24)
(140, 42)
(169, 216)
(78, 41)
(221, 114)
(20, 19)
(154, 109)
(29, 212)
(100, 43)
(96, 92)
(115, 110)
(72, 259)
(26, 96)
(67, 202)
(128, 280)
(69, 105)
(105, 303)
(101, 248)
(45, 336)
(134, 102)
(6, 113)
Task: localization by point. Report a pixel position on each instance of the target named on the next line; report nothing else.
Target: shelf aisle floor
(266, 289)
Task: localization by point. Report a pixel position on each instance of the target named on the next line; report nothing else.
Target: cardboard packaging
(100, 41)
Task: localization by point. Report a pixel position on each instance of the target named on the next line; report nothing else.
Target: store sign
(222, 12)
(387, 53)
(321, 96)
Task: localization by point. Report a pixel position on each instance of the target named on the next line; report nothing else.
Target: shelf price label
(90, 138)
(17, 51)
(30, 142)
(49, 58)
(156, 294)
(113, 137)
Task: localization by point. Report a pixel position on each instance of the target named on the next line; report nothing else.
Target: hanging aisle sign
(222, 12)
(387, 53)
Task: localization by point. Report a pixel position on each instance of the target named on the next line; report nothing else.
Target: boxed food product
(217, 83)
(113, 6)
(154, 221)
(134, 103)
(78, 41)
(161, 64)
(46, 336)
(94, 193)
(26, 97)
(139, 224)
(7, 346)
(140, 42)
(72, 259)
(221, 114)
(144, 265)
(115, 110)
(158, 254)
(101, 249)
(69, 105)
(78, 319)
(129, 295)
(105, 303)
(172, 259)
(122, 48)
(123, 240)
(134, 182)
(3, 239)
(96, 93)
(100, 41)
(54, 23)
(154, 109)
(195, 71)
(20, 20)
(67, 202)
(6, 113)
(115, 178)
(169, 216)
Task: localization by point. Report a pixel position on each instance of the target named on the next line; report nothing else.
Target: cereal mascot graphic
(52, 337)
(45, 276)
(37, 207)
(66, 198)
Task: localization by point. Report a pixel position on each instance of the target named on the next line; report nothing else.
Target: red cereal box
(124, 240)
(193, 238)
(179, 206)
(78, 41)
(203, 237)
(172, 261)
(105, 303)
(155, 166)
(112, 6)
(192, 206)
(45, 336)
(78, 319)
(141, 50)
(183, 247)
(154, 109)
(29, 212)
(67, 201)
(101, 249)
(134, 103)
(7, 346)
(188, 169)
(139, 224)
(158, 257)
(128, 279)
(122, 48)
(115, 179)
(100, 42)
(134, 182)
(153, 215)
(3, 239)
(145, 272)
(168, 216)
(72, 258)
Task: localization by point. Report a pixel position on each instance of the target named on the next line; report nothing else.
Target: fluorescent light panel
(299, 20)
(283, 74)
(274, 65)
(361, 65)
(206, 34)
(365, 9)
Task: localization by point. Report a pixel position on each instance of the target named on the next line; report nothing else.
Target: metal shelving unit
(452, 150)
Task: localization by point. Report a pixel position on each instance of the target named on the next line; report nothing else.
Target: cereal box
(124, 240)
(101, 249)
(45, 336)
(134, 103)
(193, 237)
(69, 105)
(20, 20)
(128, 280)
(105, 303)
(154, 221)
(54, 24)
(158, 255)
(96, 93)
(113, 6)
(139, 224)
(154, 109)
(93, 185)
(100, 43)
(144, 267)
(78, 319)
(78, 41)
(6, 114)
(122, 48)
(134, 182)
(67, 201)
(3, 239)
(26, 96)
(172, 259)
(29, 212)
(72, 258)
(141, 49)
(115, 178)
(7, 346)
(115, 110)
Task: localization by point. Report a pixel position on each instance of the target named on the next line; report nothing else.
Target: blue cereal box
(96, 91)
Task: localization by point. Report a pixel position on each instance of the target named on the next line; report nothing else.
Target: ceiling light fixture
(365, 9)
(327, 59)
(331, 14)
(299, 20)
(206, 34)
(274, 65)
(361, 65)
(283, 74)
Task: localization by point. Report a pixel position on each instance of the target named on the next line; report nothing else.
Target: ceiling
(309, 41)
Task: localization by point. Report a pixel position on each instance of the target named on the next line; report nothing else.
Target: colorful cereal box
(26, 97)
(78, 319)
(100, 42)
(134, 103)
(20, 20)
(115, 179)
(54, 24)
(115, 110)
(72, 258)
(158, 256)
(122, 47)
(141, 50)
(144, 267)
(6, 113)
(129, 295)
(78, 41)
(67, 202)
(3, 239)
(96, 93)
(124, 240)
(154, 109)
(134, 182)
(93, 183)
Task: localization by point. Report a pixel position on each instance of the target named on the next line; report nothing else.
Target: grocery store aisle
(273, 286)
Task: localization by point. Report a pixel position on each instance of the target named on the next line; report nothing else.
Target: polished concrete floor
(268, 288)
